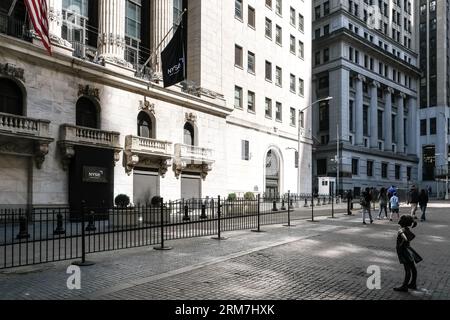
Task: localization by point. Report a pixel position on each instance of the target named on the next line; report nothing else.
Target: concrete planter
(152, 215)
(125, 218)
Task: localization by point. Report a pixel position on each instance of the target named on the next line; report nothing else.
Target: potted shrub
(228, 208)
(124, 215)
(251, 206)
(152, 214)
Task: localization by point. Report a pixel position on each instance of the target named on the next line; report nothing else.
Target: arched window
(11, 99)
(87, 115)
(188, 134)
(144, 125)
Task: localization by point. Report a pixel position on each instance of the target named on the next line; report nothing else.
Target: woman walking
(383, 199)
(423, 201)
(407, 255)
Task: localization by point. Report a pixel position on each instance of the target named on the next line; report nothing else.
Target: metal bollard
(318, 201)
(283, 207)
(274, 208)
(306, 202)
(23, 227)
(59, 225)
(186, 214)
(91, 224)
(203, 215)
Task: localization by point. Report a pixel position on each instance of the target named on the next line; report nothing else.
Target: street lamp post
(299, 137)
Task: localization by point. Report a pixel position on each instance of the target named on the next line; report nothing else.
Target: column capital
(375, 83)
(389, 90)
(402, 95)
(360, 77)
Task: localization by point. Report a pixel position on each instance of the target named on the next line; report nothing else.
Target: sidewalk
(323, 260)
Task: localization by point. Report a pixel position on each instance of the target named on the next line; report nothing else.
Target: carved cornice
(41, 150)
(11, 70)
(147, 106)
(87, 90)
(191, 117)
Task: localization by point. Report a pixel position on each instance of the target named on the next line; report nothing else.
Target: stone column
(339, 112)
(413, 131)
(359, 141)
(374, 114)
(388, 119)
(111, 32)
(161, 20)
(400, 123)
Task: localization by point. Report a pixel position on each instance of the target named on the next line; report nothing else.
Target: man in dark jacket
(413, 200)
(365, 200)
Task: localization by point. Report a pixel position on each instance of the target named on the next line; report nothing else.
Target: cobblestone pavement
(327, 259)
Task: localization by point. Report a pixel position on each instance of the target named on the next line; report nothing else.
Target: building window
(279, 7)
(408, 173)
(326, 55)
(251, 62)
(301, 23)
(132, 32)
(355, 164)
(296, 159)
(269, 3)
(278, 35)
(292, 16)
(302, 119)
(384, 170)
(189, 134)
(238, 97)
(251, 17)
(278, 76)
(292, 117)
(245, 150)
(278, 111)
(429, 162)
(423, 127)
(268, 108)
(11, 100)
(238, 9)
(292, 83)
(324, 82)
(86, 113)
(268, 71)
(144, 125)
(324, 117)
(321, 167)
(301, 87)
(369, 168)
(317, 12)
(292, 44)
(432, 126)
(251, 101)
(350, 117)
(301, 49)
(365, 120)
(380, 121)
(397, 172)
(317, 58)
(268, 28)
(238, 56)
(326, 7)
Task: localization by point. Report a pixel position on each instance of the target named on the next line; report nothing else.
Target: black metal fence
(39, 235)
(13, 27)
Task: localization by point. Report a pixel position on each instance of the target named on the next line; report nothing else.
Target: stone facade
(52, 85)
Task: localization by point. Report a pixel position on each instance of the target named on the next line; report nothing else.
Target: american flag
(37, 11)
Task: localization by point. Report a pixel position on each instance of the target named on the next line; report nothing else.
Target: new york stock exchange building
(93, 119)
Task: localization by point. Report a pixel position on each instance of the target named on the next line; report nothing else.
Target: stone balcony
(72, 135)
(147, 152)
(193, 158)
(23, 135)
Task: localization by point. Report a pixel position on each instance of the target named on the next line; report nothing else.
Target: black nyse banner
(174, 60)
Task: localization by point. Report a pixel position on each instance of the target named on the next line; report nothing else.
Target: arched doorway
(189, 135)
(87, 113)
(11, 98)
(272, 174)
(145, 125)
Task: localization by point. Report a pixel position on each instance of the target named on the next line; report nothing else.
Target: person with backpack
(395, 206)
(413, 200)
(383, 200)
(390, 192)
(364, 201)
(423, 202)
(407, 255)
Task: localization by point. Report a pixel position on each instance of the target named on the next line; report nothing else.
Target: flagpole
(13, 5)
(159, 45)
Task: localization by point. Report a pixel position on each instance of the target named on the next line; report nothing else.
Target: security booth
(327, 186)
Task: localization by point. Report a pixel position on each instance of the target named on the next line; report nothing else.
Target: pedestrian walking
(413, 200)
(349, 202)
(390, 192)
(395, 206)
(383, 200)
(406, 254)
(365, 205)
(423, 202)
